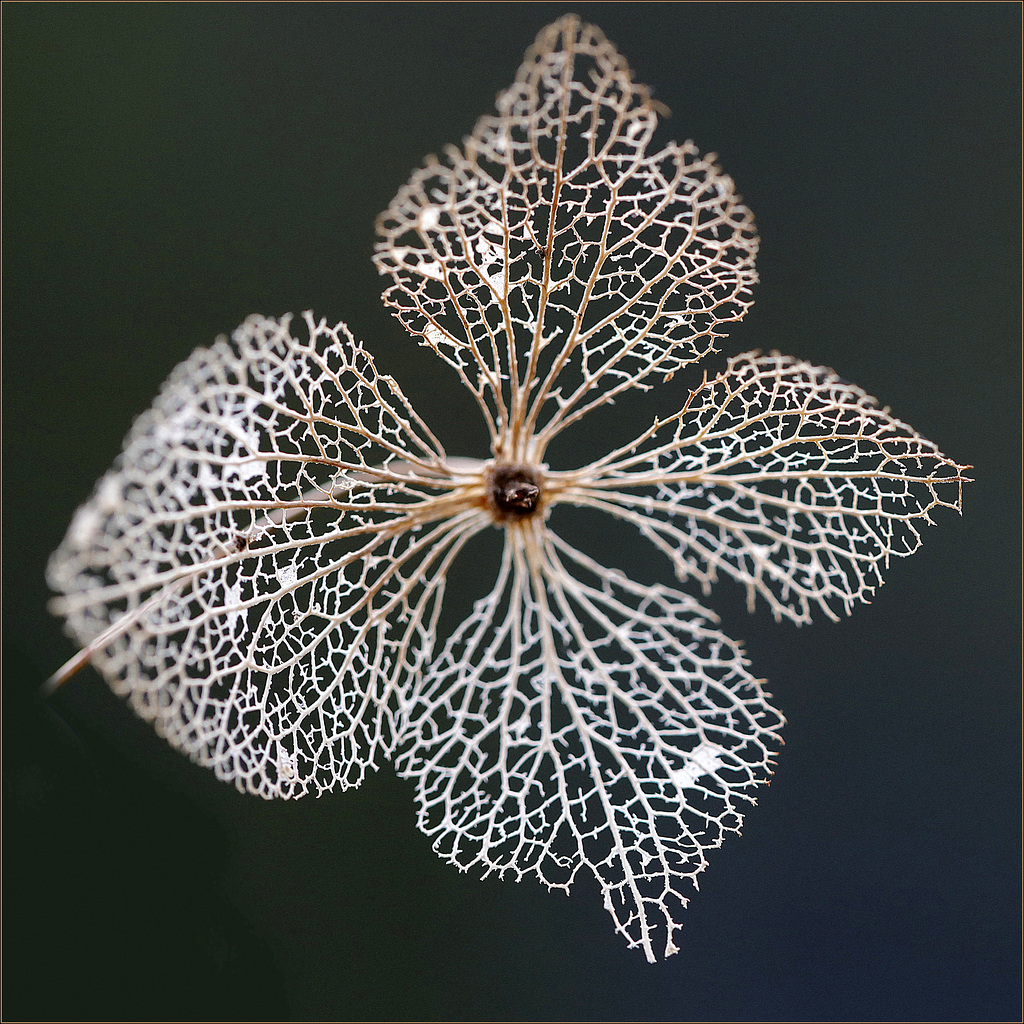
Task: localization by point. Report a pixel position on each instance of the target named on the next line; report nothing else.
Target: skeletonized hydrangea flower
(262, 572)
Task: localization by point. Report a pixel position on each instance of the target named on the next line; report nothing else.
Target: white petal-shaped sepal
(553, 254)
(578, 721)
(783, 476)
(250, 570)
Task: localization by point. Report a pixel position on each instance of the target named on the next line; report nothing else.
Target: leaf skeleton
(576, 721)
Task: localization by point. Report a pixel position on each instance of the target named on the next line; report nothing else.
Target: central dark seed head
(514, 491)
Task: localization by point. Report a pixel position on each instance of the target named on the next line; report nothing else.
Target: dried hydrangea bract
(262, 572)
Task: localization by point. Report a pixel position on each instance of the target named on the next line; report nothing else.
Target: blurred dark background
(169, 169)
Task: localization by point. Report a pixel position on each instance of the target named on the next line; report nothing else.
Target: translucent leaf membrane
(553, 255)
(580, 721)
(270, 549)
(782, 476)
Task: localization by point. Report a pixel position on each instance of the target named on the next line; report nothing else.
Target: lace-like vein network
(276, 534)
(580, 721)
(554, 261)
(262, 571)
(782, 476)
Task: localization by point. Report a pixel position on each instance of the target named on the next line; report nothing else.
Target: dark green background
(170, 169)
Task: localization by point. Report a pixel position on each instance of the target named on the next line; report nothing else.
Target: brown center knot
(513, 492)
